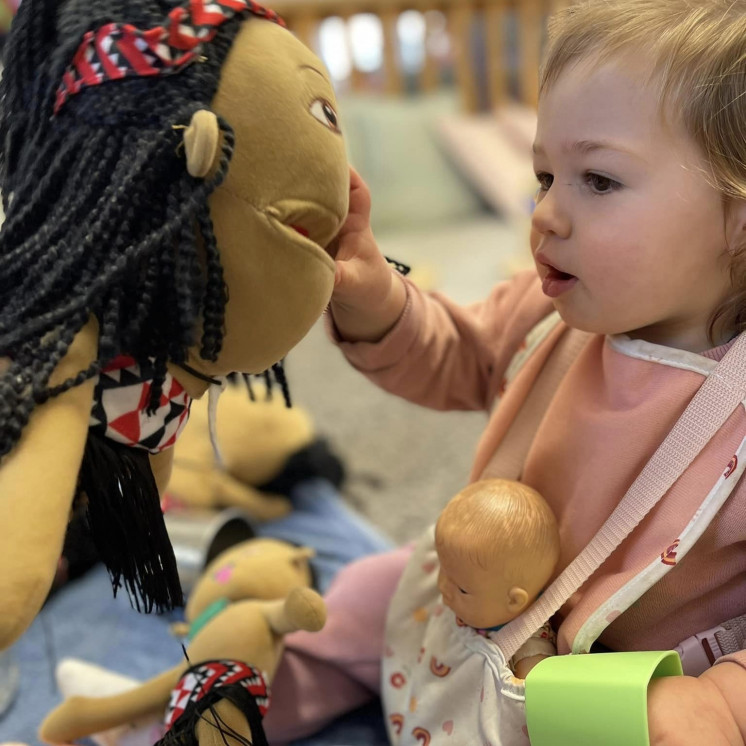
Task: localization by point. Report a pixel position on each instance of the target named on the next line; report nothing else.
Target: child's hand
(368, 296)
(686, 711)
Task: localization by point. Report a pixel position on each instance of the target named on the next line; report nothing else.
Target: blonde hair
(697, 51)
(499, 519)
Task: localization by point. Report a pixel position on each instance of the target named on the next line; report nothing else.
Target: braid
(102, 216)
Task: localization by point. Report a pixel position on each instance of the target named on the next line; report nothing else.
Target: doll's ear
(517, 600)
(202, 143)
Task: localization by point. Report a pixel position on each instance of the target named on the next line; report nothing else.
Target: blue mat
(84, 621)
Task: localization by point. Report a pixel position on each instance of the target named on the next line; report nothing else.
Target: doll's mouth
(309, 220)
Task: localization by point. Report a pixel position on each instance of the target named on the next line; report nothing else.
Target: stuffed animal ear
(202, 143)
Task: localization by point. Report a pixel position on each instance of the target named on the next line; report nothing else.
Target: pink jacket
(578, 420)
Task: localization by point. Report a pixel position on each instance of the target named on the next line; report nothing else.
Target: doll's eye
(324, 112)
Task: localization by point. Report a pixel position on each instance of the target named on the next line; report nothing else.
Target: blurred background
(436, 103)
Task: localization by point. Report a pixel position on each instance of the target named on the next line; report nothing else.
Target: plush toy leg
(77, 717)
(585, 700)
(229, 491)
(329, 673)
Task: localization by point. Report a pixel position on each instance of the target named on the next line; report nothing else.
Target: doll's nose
(443, 586)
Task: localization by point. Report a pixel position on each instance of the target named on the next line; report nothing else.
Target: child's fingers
(359, 199)
(358, 216)
(349, 280)
(344, 278)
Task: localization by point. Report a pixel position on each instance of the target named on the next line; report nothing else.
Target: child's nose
(550, 216)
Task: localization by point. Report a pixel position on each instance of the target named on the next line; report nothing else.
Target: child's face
(628, 236)
(478, 596)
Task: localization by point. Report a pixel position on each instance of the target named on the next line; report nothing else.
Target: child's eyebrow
(583, 147)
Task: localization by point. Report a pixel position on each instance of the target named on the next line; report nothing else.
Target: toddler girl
(585, 363)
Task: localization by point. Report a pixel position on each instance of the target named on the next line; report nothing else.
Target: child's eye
(601, 184)
(545, 181)
(461, 590)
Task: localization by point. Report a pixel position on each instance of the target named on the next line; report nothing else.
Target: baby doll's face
(478, 596)
(628, 236)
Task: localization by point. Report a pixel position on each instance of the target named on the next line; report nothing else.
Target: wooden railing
(495, 44)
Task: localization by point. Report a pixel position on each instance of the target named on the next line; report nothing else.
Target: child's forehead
(625, 78)
(590, 105)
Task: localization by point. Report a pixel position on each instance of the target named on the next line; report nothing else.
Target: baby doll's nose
(443, 585)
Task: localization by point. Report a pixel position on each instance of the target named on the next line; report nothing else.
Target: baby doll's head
(641, 161)
(498, 545)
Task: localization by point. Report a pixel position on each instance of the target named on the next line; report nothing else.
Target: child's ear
(735, 224)
(202, 143)
(517, 600)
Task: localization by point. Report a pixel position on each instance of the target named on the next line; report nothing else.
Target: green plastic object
(589, 700)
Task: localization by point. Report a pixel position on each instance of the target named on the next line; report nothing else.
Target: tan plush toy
(260, 568)
(217, 697)
(498, 545)
(170, 174)
(255, 440)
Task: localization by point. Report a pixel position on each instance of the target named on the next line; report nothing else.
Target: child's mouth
(557, 282)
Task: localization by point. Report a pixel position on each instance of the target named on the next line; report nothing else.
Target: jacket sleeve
(450, 357)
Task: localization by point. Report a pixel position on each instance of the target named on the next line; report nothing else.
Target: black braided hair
(102, 216)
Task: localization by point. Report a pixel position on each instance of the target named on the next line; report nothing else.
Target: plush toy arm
(162, 465)
(302, 609)
(228, 491)
(37, 484)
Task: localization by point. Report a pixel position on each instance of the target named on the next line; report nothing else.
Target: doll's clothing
(203, 686)
(207, 615)
(120, 401)
(207, 676)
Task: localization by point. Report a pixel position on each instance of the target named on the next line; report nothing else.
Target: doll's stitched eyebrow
(309, 67)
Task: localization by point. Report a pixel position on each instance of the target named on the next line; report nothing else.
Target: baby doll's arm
(524, 666)
(37, 484)
(540, 645)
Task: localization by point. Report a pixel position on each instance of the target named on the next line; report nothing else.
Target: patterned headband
(119, 50)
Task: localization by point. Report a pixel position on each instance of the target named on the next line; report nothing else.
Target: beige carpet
(404, 461)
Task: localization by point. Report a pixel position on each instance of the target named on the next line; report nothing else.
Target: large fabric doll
(171, 172)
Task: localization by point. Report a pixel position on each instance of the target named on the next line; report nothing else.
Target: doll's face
(479, 596)
(284, 198)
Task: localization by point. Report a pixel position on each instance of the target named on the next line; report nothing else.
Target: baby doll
(498, 545)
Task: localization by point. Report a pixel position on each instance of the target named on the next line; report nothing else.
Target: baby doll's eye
(601, 184)
(324, 112)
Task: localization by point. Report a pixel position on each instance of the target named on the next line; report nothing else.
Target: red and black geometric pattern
(120, 50)
(119, 407)
(200, 680)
